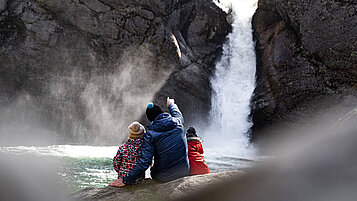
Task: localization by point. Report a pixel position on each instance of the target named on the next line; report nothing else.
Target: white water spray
(233, 85)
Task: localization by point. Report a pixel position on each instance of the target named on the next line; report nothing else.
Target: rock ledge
(150, 190)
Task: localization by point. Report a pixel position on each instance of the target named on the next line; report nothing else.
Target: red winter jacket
(195, 151)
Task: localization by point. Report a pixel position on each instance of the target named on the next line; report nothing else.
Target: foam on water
(65, 151)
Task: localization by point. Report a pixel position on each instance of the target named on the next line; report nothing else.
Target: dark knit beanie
(191, 132)
(152, 111)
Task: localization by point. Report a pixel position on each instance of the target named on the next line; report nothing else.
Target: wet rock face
(306, 51)
(86, 69)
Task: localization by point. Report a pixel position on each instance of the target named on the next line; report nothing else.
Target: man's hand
(169, 101)
(117, 183)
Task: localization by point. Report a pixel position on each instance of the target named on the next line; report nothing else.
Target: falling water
(233, 85)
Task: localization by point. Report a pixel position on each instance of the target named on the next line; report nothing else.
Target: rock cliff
(86, 69)
(306, 59)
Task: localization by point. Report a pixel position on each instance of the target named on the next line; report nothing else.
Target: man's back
(170, 154)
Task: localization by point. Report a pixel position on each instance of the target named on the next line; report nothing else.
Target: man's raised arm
(175, 111)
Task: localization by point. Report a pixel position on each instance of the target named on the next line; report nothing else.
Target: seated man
(165, 140)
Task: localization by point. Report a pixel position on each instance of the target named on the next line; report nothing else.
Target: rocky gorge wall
(306, 60)
(86, 69)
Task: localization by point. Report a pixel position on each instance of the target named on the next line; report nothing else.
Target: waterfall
(233, 84)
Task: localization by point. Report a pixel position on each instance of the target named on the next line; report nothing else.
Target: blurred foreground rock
(320, 166)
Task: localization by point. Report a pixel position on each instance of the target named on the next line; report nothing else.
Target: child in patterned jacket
(129, 152)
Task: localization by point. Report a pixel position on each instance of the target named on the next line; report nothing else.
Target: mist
(84, 107)
(113, 101)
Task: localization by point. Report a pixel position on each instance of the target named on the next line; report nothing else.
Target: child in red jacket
(129, 152)
(195, 151)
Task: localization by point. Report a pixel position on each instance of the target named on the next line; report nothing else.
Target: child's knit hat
(191, 132)
(152, 111)
(136, 130)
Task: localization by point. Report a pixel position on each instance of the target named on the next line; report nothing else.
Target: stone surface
(306, 59)
(86, 69)
(150, 190)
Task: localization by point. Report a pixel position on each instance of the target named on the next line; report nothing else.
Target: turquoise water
(82, 172)
(85, 166)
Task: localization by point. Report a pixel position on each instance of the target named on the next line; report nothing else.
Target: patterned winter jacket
(127, 157)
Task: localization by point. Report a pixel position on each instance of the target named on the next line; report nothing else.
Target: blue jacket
(166, 141)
